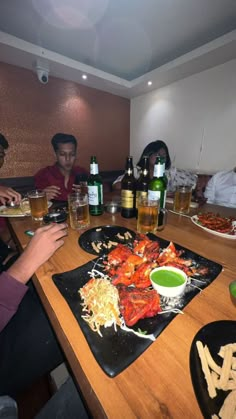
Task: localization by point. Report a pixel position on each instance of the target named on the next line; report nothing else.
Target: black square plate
(116, 350)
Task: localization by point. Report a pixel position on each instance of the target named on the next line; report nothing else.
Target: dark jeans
(28, 347)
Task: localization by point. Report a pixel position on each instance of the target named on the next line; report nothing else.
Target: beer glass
(182, 200)
(147, 215)
(38, 204)
(78, 210)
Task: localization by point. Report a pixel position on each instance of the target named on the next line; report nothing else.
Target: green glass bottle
(128, 191)
(95, 189)
(157, 188)
(143, 181)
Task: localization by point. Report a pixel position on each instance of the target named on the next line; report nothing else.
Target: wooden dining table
(158, 383)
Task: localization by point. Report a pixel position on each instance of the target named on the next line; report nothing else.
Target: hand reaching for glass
(41, 247)
(52, 192)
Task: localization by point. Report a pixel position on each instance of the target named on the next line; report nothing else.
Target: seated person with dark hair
(59, 180)
(221, 189)
(176, 177)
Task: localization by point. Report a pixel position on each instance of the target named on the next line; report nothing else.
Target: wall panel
(31, 113)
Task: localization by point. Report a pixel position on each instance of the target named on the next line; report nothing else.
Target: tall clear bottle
(143, 182)
(128, 190)
(95, 189)
(157, 188)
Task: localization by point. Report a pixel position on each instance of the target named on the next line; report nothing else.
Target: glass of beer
(78, 210)
(182, 200)
(38, 204)
(147, 215)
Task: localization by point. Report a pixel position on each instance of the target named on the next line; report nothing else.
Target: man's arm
(41, 178)
(11, 294)
(12, 283)
(41, 182)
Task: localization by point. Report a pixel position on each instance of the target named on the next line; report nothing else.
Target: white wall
(195, 113)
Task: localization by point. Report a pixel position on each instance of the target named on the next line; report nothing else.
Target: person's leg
(28, 347)
(64, 404)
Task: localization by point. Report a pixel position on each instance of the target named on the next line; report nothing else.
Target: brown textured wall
(31, 113)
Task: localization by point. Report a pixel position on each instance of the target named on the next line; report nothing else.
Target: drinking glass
(25, 206)
(38, 204)
(147, 215)
(78, 210)
(182, 200)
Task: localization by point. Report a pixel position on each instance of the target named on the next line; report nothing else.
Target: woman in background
(175, 176)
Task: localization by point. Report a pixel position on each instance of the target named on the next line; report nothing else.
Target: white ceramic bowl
(164, 283)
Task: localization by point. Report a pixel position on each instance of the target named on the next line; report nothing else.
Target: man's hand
(8, 195)
(52, 192)
(81, 187)
(41, 247)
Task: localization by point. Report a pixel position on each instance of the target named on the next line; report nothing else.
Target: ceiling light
(149, 83)
(84, 76)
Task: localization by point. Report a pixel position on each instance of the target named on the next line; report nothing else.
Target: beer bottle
(95, 189)
(128, 190)
(157, 188)
(143, 182)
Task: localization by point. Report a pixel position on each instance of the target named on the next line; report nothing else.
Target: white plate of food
(224, 227)
(15, 211)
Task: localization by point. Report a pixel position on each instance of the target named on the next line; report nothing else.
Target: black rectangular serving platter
(116, 350)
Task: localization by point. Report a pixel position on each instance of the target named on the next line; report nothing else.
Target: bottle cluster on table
(133, 190)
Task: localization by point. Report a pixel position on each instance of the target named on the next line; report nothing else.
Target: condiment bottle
(128, 190)
(95, 189)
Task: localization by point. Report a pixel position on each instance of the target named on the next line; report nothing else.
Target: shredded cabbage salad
(100, 304)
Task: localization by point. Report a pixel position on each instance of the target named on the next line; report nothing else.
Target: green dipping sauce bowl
(168, 281)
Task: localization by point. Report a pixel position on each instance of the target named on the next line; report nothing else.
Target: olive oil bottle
(95, 189)
(128, 191)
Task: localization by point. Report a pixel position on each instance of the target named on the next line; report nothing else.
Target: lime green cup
(232, 291)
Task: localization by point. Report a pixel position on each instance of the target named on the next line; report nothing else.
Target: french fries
(99, 245)
(220, 377)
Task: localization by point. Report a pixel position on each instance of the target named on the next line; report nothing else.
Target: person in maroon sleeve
(28, 347)
(6, 194)
(59, 180)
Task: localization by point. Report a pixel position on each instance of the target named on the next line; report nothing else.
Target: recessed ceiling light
(84, 76)
(149, 83)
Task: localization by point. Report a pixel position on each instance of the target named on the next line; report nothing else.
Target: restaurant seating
(26, 183)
